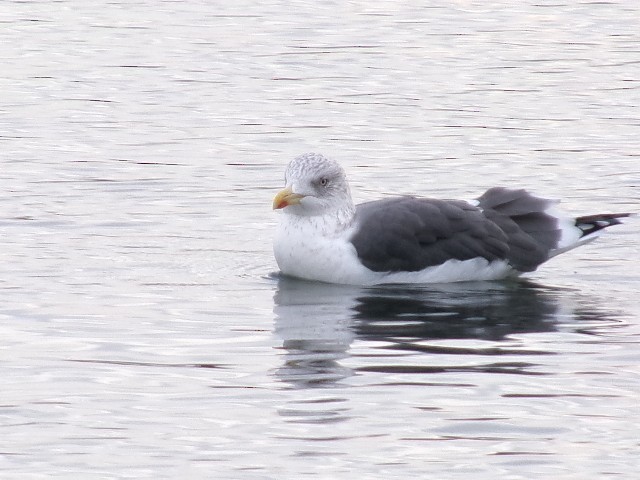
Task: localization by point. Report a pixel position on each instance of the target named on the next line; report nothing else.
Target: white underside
(570, 235)
(304, 248)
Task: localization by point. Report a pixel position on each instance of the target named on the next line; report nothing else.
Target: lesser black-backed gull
(323, 236)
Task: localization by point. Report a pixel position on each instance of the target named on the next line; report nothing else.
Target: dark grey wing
(410, 234)
(532, 232)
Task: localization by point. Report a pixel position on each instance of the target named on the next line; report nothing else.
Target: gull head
(314, 185)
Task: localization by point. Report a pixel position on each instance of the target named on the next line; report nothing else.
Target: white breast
(309, 247)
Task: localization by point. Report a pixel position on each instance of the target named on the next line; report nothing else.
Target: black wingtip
(590, 224)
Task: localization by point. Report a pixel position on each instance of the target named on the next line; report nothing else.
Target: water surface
(145, 333)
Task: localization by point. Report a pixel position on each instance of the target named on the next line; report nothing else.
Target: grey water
(144, 330)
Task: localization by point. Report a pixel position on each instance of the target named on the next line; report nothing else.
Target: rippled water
(145, 333)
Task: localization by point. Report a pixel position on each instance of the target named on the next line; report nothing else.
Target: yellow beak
(286, 197)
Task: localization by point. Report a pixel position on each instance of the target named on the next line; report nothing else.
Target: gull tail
(580, 230)
(536, 229)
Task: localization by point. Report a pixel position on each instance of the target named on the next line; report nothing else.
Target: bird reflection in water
(318, 323)
(484, 310)
(315, 323)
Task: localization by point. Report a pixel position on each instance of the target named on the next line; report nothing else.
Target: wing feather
(410, 234)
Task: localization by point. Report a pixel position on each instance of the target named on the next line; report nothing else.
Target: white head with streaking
(315, 185)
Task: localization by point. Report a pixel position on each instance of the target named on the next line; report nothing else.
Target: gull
(323, 236)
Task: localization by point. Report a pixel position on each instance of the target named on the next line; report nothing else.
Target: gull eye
(324, 182)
